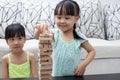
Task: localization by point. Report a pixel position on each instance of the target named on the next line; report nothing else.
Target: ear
(77, 18)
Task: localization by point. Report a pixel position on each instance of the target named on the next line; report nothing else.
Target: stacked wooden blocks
(45, 64)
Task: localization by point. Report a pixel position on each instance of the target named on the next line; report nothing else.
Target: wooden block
(50, 46)
(46, 67)
(46, 63)
(41, 46)
(45, 51)
(45, 75)
(46, 46)
(44, 56)
(46, 70)
(46, 37)
(45, 78)
(45, 59)
(45, 41)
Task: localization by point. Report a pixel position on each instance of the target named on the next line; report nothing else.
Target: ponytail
(75, 33)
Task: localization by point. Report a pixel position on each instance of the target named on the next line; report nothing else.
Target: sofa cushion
(104, 49)
(112, 19)
(103, 66)
(91, 19)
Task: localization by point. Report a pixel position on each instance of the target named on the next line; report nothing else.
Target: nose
(62, 20)
(15, 41)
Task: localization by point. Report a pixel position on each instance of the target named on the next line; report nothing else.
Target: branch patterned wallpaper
(96, 20)
(112, 19)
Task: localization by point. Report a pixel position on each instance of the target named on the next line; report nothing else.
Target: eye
(58, 17)
(19, 38)
(67, 18)
(11, 39)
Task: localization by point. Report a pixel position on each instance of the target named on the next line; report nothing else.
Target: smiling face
(66, 22)
(66, 15)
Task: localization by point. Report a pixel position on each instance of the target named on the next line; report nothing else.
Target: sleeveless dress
(66, 54)
(19, 70)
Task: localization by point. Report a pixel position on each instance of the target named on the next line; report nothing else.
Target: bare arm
(80, 69)
(91, 52)
(33, 66)
(5, 66)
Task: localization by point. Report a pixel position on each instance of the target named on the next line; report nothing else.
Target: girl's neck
(18, 53)
(67, 36)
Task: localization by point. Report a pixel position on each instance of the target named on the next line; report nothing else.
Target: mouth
(16, 47)
(62, 26)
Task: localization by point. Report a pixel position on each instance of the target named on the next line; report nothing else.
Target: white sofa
(97, 22)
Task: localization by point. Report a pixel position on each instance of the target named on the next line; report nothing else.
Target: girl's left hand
(80, 69)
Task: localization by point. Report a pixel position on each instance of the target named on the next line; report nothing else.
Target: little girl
(68, 41)
(18, 63)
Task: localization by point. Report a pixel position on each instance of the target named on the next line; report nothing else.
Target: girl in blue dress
(68, 41)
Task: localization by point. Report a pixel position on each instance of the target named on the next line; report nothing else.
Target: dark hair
(14, 29)
(68, 7)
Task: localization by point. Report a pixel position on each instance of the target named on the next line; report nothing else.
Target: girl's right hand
(43, 28)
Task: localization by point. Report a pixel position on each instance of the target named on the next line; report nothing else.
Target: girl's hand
(80, 69)
(43, 28)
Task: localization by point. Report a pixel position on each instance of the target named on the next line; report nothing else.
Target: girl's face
(16, 44)
(66, 22)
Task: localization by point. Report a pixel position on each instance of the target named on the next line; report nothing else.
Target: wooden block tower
(45, 60)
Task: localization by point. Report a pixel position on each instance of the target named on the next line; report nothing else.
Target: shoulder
(5, 58)
(31, 55)
(85, 43)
